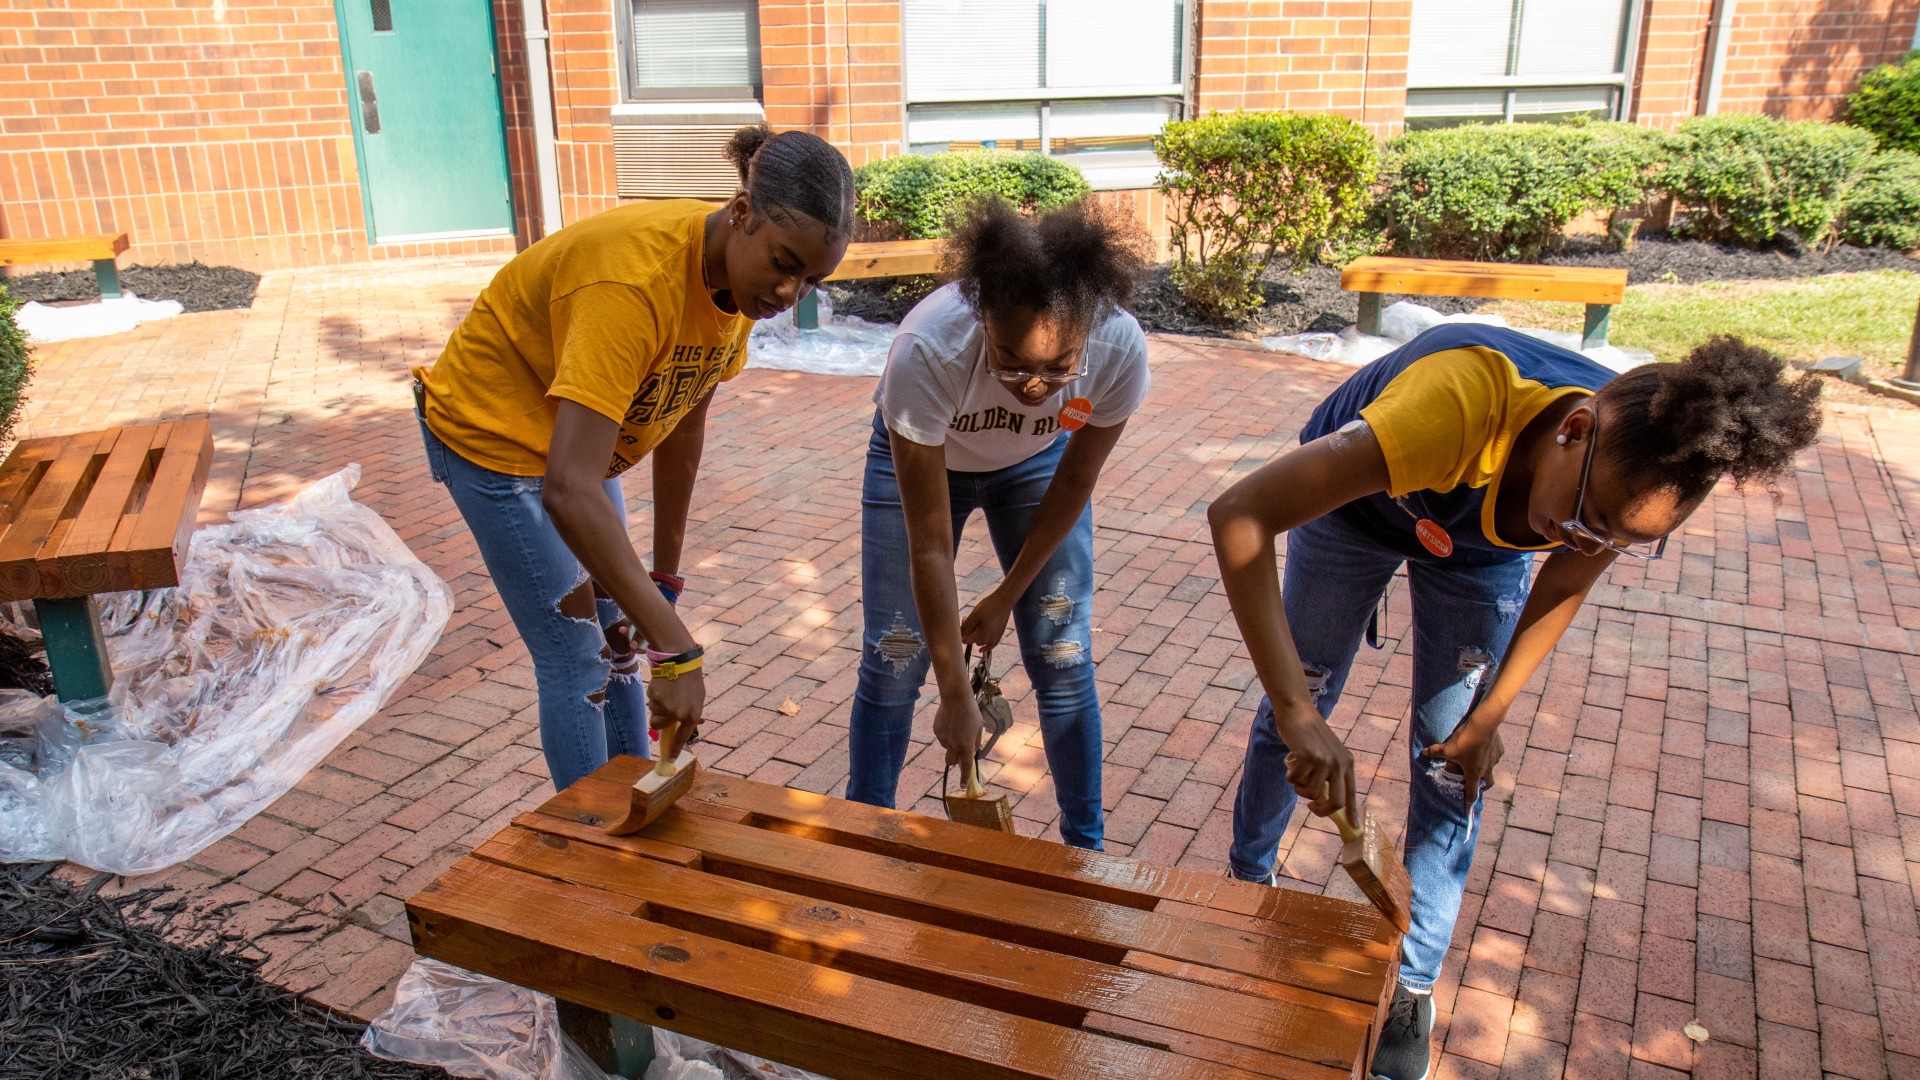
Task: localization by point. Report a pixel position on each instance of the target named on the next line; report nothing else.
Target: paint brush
(973, 806)
(1374, 864)
(657, 789)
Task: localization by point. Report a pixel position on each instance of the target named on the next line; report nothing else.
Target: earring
(1561, 439)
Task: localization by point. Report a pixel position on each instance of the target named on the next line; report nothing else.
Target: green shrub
(1754, 180)
(1245, 189)
(1888, 103)
(16, 363)
(1883, 206)
(913, 196)
(1506, 191)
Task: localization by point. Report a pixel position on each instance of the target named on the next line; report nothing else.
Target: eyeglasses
(1585, 540)
(1051, 378)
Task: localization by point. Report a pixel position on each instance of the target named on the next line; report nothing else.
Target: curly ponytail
(794, 173)
(1725, 410)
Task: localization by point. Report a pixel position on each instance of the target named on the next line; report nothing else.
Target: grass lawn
(1867, 315)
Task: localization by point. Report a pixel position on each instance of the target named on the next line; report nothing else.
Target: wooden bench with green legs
(869, 944)
(97, 512)
(873, 259)
(99, 250)
(1597, 287)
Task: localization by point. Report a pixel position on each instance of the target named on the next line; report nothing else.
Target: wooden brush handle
(668, 751)
(1348, 830)
(974, 788)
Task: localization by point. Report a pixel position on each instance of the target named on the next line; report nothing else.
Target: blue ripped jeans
(587, 712)
(1463, 617)
(1053, 620)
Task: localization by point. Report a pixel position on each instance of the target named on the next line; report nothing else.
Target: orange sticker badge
(1433, 537)
(1075, 414)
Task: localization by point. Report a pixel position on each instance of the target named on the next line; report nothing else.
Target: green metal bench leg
(76, 652)
(617, 1044)
(108, 275)
(806, 313)
(1370, 313)
(1595, 334)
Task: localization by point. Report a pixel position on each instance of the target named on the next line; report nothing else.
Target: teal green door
(424, 97)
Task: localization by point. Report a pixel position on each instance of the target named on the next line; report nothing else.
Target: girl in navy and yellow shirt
(1459, 455)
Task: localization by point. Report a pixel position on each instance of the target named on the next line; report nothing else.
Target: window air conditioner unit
(677, 152)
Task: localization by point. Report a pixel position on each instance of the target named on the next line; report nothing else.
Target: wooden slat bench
(101, 511)
(867, 944)
(100, 250)
(873, 259)
(1597, 287)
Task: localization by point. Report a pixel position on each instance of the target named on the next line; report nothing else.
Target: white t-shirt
(937, 390)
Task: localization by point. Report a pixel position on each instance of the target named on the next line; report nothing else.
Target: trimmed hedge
(1883, 205)
(1755, 181)
(913, 196)
(1247, 189)
(16, 363)
(1888, 103)
(1507, 191)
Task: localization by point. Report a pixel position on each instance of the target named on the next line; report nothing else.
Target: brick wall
(834, 69)
(1343, 56)
(210, 131)
(586, 86)
(1791, 58)
(1800, 58)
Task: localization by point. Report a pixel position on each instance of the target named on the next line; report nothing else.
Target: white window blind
(1571, 37)
(1454, 41)
(1113, 42)
(694, 43)
(956, 47)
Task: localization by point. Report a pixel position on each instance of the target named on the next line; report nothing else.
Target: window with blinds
(1485, 61)
(1091, 79)
(691, 45)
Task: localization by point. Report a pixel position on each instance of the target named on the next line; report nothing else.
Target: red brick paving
(1710, 807)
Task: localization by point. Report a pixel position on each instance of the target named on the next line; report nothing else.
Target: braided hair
(794, 174)
(1723, 411)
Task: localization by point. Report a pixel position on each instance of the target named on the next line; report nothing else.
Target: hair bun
(745, 143)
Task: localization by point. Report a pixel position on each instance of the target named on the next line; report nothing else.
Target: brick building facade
(230, 130)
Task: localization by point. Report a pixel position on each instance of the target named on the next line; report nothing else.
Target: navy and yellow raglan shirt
(1446, 408)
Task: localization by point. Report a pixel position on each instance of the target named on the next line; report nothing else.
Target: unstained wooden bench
(873, 259)
(100, 250)
(96, 512)
(868, 944)
(1597, 287)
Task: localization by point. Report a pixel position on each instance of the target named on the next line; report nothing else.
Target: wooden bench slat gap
(986, 971)
(541, 935)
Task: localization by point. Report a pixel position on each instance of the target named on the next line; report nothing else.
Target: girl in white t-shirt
(1005, 391)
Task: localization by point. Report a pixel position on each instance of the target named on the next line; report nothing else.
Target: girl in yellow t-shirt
(592, 349)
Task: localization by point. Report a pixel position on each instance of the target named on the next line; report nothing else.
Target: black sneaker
(1405, 1050)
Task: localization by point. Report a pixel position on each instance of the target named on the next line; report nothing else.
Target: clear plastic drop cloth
(474, 1026)
(843, 345)
(1404, 320)
(292, 624)
(683, 1057)
(48, 323)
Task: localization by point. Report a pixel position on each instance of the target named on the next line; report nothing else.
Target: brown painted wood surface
(889, 258)
(101, 511)
(1496, 281)
(62, 249)
(862, 943)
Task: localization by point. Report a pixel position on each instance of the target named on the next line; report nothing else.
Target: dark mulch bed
(1313, 300)
(198, 287)
(93, 990)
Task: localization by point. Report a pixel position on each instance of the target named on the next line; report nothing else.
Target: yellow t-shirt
(611, 312)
